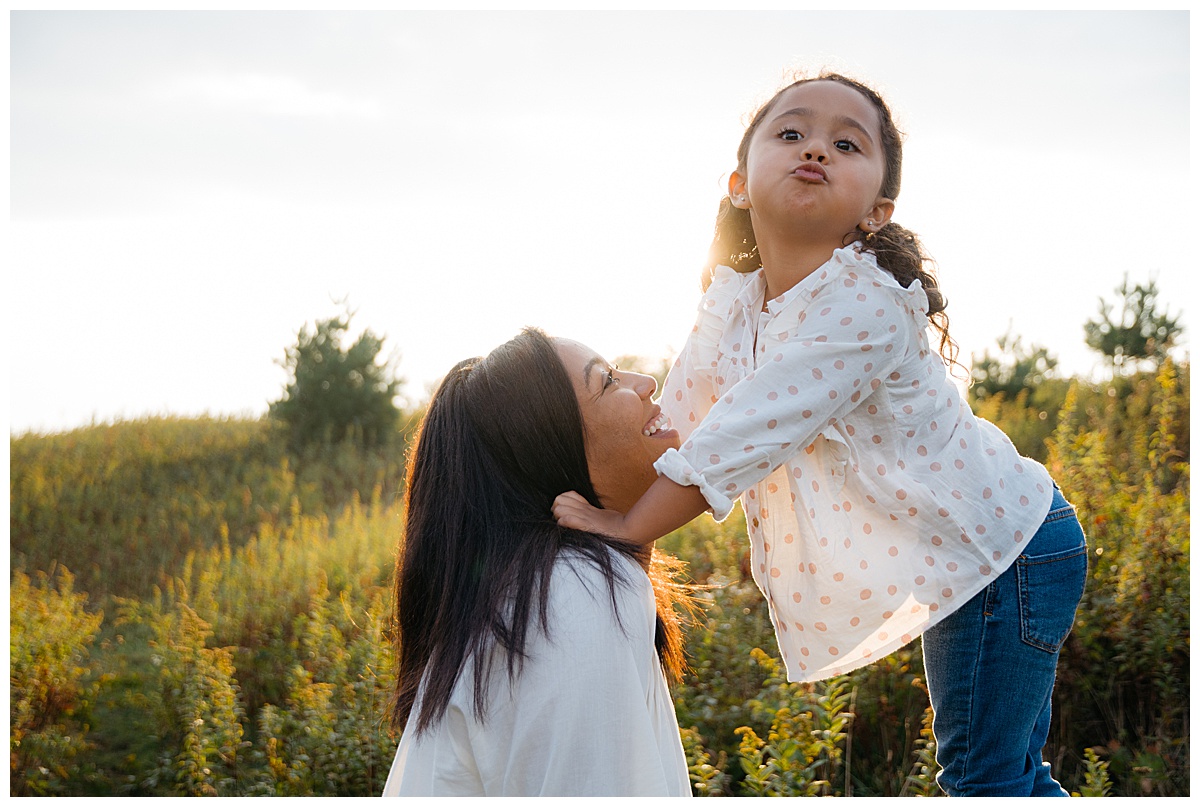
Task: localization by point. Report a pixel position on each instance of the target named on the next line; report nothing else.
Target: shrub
(50, 634)
(195, 702)
(329, 737)
(335, 393)
(1124, 672)
(803, 753)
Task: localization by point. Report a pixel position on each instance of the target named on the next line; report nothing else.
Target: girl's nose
(815, 153)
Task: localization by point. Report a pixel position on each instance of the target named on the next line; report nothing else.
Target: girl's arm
(810, 371)
(665, 507)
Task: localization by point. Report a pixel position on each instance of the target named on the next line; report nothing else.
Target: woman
(531, 657)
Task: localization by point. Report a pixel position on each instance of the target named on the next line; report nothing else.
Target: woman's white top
(588, 715)
(876, 502)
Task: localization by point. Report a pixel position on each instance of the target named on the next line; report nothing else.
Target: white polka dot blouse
(876, 502)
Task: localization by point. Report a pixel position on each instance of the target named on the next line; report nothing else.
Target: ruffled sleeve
(690, 389)
(676, 467)
(714, 311)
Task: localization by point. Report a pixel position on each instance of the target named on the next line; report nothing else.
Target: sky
(189, 189)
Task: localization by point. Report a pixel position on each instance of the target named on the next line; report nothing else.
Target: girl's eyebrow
(846, 120)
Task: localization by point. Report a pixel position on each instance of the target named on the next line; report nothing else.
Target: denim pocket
(1049, 586)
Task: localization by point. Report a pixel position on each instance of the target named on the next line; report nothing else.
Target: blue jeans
(990, 666)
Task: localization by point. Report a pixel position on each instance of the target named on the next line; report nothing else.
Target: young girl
(879, 507)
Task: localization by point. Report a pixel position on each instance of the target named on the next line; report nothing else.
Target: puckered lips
(811, 172)
(659, 425)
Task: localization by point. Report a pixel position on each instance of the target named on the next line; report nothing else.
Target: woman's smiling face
(625, 432)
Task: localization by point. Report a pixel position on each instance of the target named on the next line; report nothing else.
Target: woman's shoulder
(579, 584)
(577, 570)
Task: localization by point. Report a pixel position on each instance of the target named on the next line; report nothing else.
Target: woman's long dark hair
(502, 437)
(896, 249)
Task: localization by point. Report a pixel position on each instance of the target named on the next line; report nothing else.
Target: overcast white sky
(188, 189)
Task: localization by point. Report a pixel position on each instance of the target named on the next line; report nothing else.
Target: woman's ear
(737, 191)
(878, 215)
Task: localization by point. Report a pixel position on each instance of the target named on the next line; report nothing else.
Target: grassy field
(222, 626)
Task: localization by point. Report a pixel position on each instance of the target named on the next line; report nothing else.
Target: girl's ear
(877, 216)
(737, 191)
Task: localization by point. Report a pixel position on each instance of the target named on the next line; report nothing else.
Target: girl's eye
(790, 135)
(846, 145)
(611, 379)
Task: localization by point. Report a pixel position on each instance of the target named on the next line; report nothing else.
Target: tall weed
(1124, 673)
(50, 636)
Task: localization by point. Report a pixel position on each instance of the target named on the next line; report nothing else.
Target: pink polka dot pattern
(854, 456)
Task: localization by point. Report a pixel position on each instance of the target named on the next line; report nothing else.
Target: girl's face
(815, 166)
(617, 414)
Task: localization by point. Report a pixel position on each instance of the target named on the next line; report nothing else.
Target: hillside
(123, 504)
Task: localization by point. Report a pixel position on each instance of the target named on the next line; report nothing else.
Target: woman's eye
(611, 379)
(790, 135)
(846, 145)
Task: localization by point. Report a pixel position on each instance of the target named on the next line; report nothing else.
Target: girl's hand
(573, 511)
